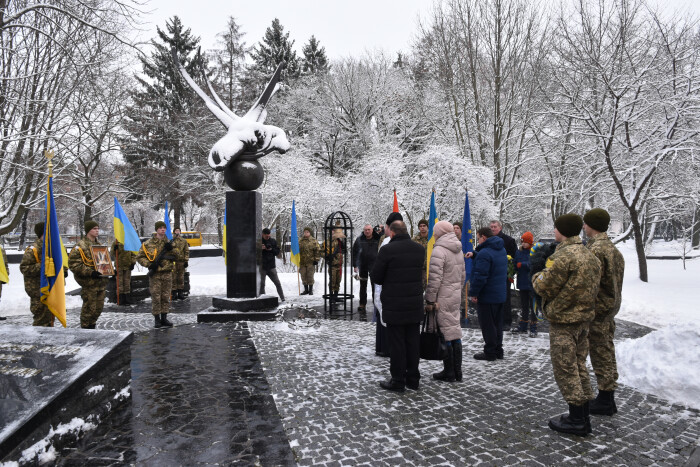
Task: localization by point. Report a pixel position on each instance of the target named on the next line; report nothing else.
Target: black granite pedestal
(56, 383)
(243, 256)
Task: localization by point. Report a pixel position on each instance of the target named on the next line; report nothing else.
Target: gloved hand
(132, 267)
(168, 246)
(187, 263)
(518, 264)
(153, 267)
(65, 273)
(315, 263)
(95, 275)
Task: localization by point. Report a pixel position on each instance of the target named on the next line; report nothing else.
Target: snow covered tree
(230, 60)
(315, 60)
(274, 49)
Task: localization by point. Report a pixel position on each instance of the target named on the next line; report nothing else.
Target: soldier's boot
(448, 372)
(604, 403)
(306, 290)
(573, 423)
(158, 323)
(126, 299)
(522, 327)
(311, 289)
(587, 417)
(457, 352)
(533, 329)
(164, 320)
(181, 294)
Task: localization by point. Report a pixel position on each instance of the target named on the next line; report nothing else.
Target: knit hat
(160, 224)
(309, 229)
(89, 225)
(394, 216)
(527, 237)
(569, 225)
(597, 219)
(441, 228)
(422, 221)
(39, 229)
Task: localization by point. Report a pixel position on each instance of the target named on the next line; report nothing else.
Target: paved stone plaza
(267, 394)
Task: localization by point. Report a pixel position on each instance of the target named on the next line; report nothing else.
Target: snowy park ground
(664, 363)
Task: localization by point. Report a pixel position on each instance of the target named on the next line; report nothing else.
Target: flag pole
(116, 273)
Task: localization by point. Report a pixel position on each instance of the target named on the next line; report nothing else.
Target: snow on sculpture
(247, 139)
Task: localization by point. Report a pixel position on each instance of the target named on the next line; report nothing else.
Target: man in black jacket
(268, 267)
(364, 254)
(399, 270)
(511, 249)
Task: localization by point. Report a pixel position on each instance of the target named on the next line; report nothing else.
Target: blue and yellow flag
(294, 237)
(432, 220)
(53, 284)
(168, 230)
(467, 237)
(4, 271)
(124, 232)
(224, 239)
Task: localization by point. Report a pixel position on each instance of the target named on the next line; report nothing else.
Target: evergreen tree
(315, 60)
(158, 146)
(230, 60)
(274, 49)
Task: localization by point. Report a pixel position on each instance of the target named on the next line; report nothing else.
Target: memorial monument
(236, 154)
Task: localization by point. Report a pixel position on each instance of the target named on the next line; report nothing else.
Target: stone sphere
(244, 175)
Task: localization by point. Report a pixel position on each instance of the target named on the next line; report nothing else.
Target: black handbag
(432, 342)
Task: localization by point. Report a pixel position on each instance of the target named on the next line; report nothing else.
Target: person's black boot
(306, 290)
(587, 417)
(573, 423)
(311, 289)
(448, 373)
(604, 403)
(158, 323)
(164, 320)
(457, 352)
(393, 385)
(126, 299)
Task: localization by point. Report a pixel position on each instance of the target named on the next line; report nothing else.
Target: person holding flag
(4, 273)
(82, 265)
(30, 267)
(126, 244)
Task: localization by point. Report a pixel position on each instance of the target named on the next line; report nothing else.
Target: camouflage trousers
(307, 274)
(569, 348)
(93, 302)
(335, 274)
(124, 280)
(602, 349)
(178, 276)
(40, 312)
(160, 283)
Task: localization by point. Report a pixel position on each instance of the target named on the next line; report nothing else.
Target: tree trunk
(23, 232)
(639, 246)
(695, 228)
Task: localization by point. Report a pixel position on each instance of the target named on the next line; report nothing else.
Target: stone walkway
(265, 393)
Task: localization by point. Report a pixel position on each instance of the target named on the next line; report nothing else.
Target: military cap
(89, 225)
(597, 219)
(39, 229)
(569, 225)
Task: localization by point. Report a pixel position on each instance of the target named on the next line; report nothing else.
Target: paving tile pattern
(325, 384)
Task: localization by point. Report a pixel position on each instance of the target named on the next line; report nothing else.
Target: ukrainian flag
(432, 220)
(295, 238)
(52, 280)
(124, 232)
(4, 276)
(224, 240)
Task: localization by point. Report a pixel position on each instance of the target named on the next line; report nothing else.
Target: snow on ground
(666, 362)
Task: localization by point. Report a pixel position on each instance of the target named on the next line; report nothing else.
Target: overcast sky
(344, 27)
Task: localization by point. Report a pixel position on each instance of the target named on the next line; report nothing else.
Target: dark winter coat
(522, 257)
(364, 253)
(399, 270)
(268, 256)
(509, 244)
(489, 272)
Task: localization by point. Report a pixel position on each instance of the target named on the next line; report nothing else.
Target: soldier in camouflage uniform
(309, 254)
(124, 262)
(568, 287)
(7, 271)
(93, 284)
(181, 249)
(607, 304)
(160, 274)
(31, 270)
(334, 261)
(423, 239)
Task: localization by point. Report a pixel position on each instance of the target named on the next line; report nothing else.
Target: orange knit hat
(527, 237)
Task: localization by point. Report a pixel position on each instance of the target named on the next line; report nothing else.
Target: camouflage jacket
(181, 249)
(422, 240)
(31, 268)
(81, 264)
(150, 249)
(334, 250)
(309, 251)
(569, 285)
(612, 263)
(123, 259)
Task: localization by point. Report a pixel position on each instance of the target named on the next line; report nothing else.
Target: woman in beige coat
(446, 276)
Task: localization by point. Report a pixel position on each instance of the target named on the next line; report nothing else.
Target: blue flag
(168, 230)
(467, 237)
(124, 232)
(294, 237)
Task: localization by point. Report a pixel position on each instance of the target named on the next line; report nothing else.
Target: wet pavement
(268, 393)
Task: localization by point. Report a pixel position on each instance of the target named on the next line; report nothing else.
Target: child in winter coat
(522, 265)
